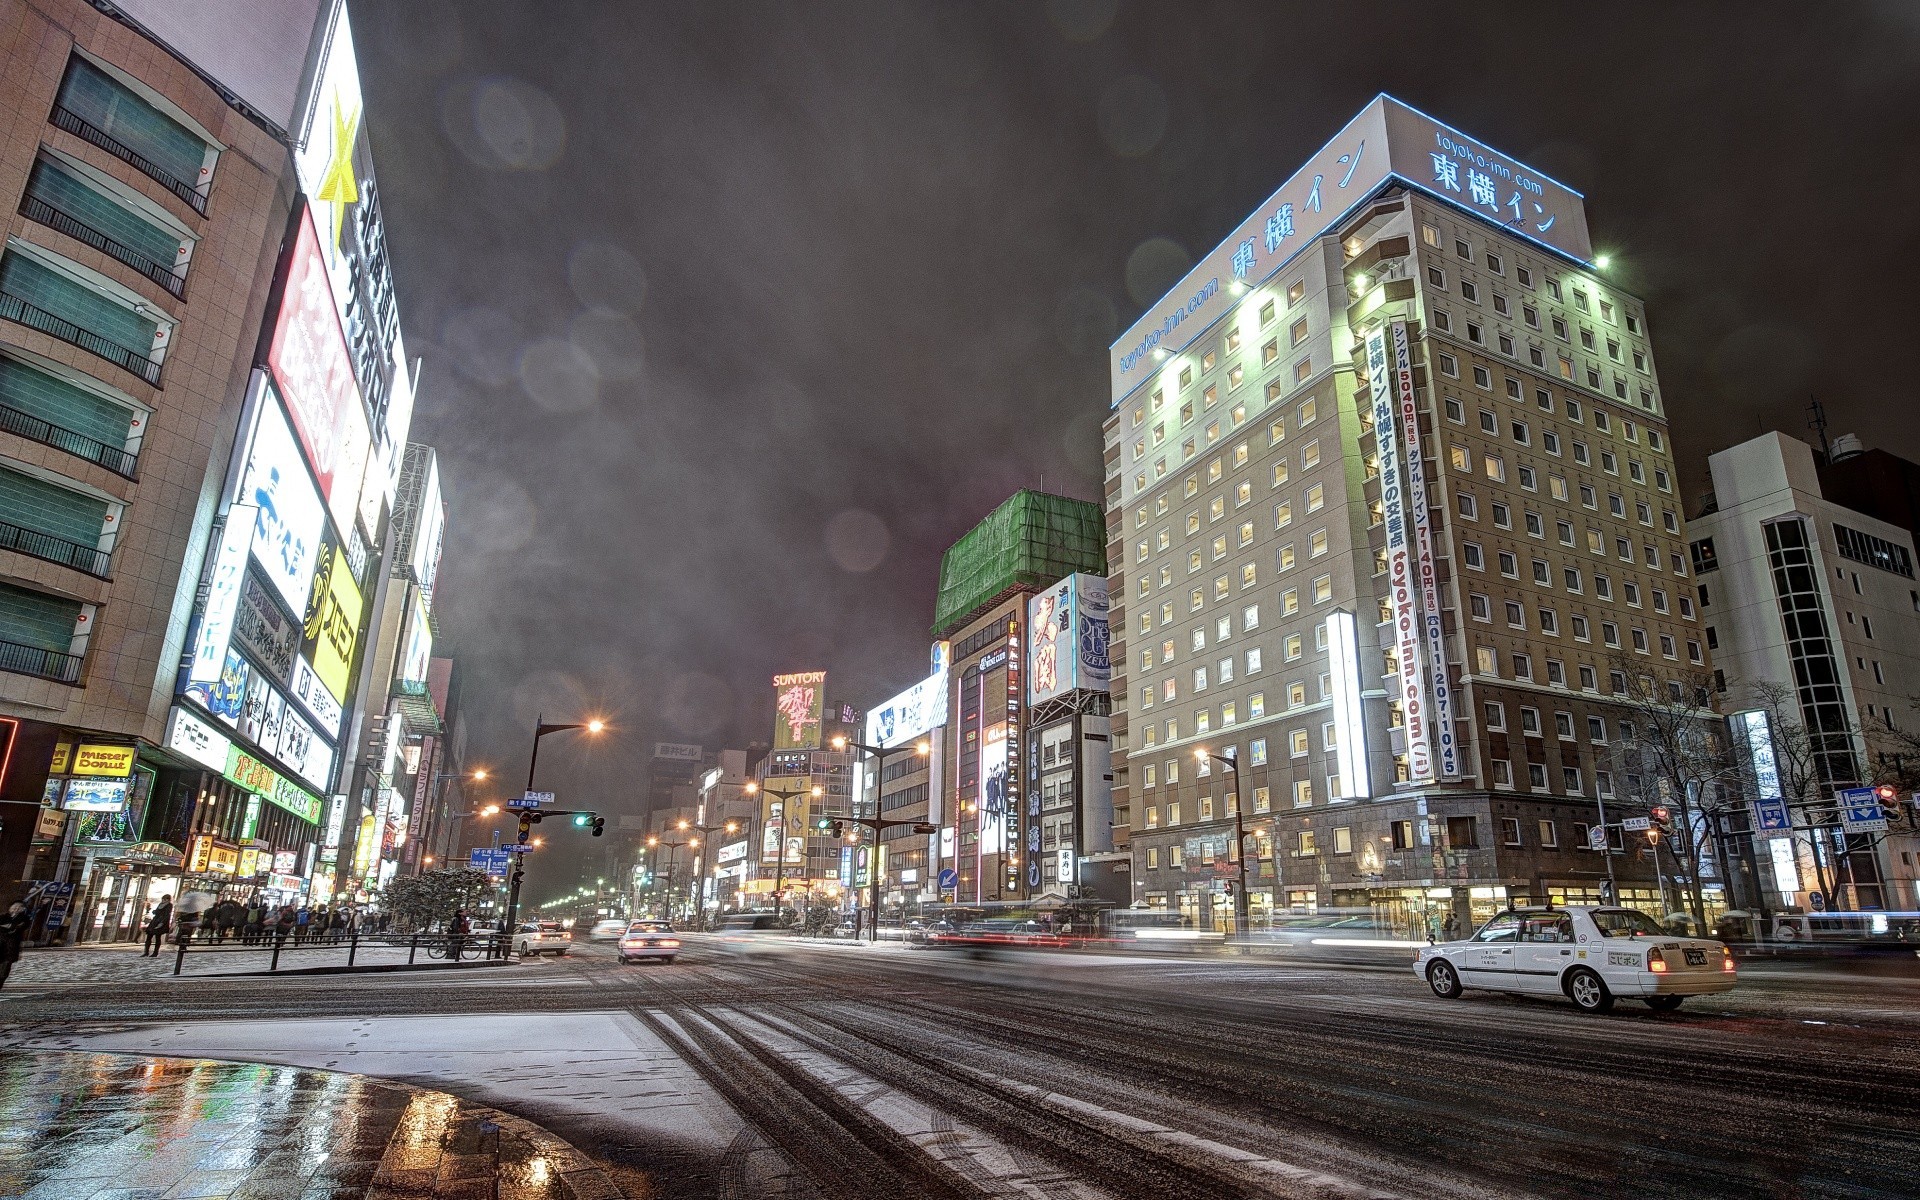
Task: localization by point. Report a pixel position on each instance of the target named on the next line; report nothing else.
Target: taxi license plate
(1696, 958)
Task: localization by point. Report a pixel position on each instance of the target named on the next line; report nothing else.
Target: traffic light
(1662, 817)
(838, 828)
(582, 819)
(823, 824)
(1889, 798)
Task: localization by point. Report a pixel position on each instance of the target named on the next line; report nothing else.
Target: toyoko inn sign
(1388, 141)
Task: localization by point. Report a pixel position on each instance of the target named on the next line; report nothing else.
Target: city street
(841, 1070)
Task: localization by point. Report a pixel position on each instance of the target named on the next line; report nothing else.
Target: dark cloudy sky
(735, 315)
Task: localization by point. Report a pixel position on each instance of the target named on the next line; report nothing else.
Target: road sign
(493, 862)
(1771, 816)
(1860, 811)
(530, 800)
(949, 879)
(1597, 837)
(516, 847)
(1637, 824)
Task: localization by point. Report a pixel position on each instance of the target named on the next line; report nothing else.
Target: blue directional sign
(1771, 816)
(949, 879)
(1860, 811)
(493, 862)
(530, 800)
(516, 848)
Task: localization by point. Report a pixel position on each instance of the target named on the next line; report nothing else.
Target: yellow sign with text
(95, 759)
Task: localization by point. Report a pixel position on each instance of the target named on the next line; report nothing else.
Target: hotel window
(1302, 370)
(1293, 647)
(1217, 509)
(1317, 543)
(1296, 290)
(1269, 352)
(1462, 250)
(1246, 532)
(1475, 334)
(1310, 456)
(1449, 366)
(1248, 575)
(1207, 360)
(1482, 378)
(1243, 494)
(1289, 602)
(1303, 798)
(1309, 412)
(1282, 515)
(1495, 467)
(1455, 412)
(1253, 664)
(1509, 564)
(1279, 472)
(1250, 618)
(1472, 555)
(1316, 498)
(1296, 694)
(1266, 313)
(1430, 235)
(1286, 557)
(1323, 589)
(1240, 454)
(1298, 332)
(1222, 587)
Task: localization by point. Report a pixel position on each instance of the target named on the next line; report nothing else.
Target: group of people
(249, 922)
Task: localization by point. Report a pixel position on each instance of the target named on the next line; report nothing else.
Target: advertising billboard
(225, 696)
(1408, 634)
(310, 364)
(1445, 738)
(268, 635)
(93, 758)
(199, 741)
(332, 627)
(430, 528)
(799, 702)
(223, 595)
(291, 519)
(417, 652)
(918, 710)
(993, 789)
(678, 751)
(96, 795)
(1067, 640)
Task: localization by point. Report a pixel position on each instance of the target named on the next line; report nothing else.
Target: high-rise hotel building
(1412, 657)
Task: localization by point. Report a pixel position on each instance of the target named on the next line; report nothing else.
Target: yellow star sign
(338, 186)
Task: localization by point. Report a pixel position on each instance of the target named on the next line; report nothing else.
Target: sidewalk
(79, 1126)
(121, 962)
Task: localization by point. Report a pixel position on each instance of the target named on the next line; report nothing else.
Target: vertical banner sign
(223, 594)
(799, 702)
(1406, 621)
(1444, 735)
(1015, 693)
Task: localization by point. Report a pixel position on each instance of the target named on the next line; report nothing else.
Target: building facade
(1812, 610)
(1393, 525)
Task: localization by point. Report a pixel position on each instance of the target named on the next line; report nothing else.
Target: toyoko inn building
(1412, 654)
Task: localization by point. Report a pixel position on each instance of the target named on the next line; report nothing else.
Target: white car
(542, 937)
(649, 939)
(606, 931)
(1589, 954)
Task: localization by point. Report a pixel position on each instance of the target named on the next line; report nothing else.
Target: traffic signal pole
(529, 817)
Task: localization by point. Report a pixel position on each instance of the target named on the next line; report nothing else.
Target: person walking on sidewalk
(13, 936)
(159, 925)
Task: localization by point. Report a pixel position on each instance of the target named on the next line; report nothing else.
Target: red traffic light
(1885, 793)
(1661, 813)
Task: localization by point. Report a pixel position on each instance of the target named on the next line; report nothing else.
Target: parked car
(607, 931)
(649, 939)
(542, 937)
(1590, 954)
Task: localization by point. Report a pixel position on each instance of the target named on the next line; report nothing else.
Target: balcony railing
(45, 664)
(13, 308)
(87, 131)
(26, 425)
(53, 549)
(36, 209)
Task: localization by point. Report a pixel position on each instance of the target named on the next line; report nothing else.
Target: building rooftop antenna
(1817, 421)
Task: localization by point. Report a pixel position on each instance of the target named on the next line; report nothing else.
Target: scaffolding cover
(1032, 540)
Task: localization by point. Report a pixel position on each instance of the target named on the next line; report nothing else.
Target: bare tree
(1675, 754)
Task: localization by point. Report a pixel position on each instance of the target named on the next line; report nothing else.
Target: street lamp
(454, 825)
(780, 848)
(707, 832)
(672, 862)
(540, 730)
(876, 823)
(1202, 754)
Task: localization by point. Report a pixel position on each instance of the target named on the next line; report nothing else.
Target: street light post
(540, 730)
(673, 860)
(1239, 840)
(706, 833)
(435, 835)
(876, 824)
(786, 814)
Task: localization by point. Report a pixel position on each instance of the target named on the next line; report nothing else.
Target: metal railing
(53, 549)
(26, 425)
(440, 947)
(43, 664)
(36, 209)
(87, 131)
(14, 308)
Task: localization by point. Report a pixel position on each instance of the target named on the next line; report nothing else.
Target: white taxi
(649, 939)
(1589, 954)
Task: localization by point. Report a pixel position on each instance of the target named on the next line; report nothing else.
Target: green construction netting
(1032, 540)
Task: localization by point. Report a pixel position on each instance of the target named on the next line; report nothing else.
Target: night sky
(734, 316)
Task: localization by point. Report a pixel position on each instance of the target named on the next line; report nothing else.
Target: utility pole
(875, 824)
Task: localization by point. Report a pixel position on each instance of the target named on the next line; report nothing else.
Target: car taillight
(669, 941)
(1726, 959)
(1656, 961)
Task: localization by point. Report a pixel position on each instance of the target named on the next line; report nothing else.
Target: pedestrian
(13, 936)
(457, 930)
(256, 916)
(283, 925)
(159, 925)
(1452, 927)
(302, 920)
(338, 923)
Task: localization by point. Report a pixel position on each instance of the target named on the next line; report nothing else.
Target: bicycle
(458, 948)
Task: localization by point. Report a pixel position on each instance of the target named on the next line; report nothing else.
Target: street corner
(87, 1124)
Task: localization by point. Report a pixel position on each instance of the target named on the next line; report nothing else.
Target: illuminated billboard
(417, 654)
(1067, 646)
(799, 702)
(310, 364)
(332, 627)
(429, 528)
(919, 709)
(291, 519)
(96, 795)
(993, 789)
(224, 592)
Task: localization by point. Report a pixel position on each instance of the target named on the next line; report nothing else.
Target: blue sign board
(530, 800)
(516, 848)
(1860, 811)
(1771, 816)
(949, 879)
(493, 862)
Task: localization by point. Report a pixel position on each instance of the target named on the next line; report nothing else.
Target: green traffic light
(581, 818)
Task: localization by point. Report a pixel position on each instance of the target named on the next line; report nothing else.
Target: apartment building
(1392, 524)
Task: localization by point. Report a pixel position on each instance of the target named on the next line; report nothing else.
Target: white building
(1797, 590)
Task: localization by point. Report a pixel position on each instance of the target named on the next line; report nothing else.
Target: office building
(1415, 657)
(1812, 612)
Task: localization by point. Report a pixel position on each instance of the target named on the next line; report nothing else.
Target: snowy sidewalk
(81, 1126)
(123, 962)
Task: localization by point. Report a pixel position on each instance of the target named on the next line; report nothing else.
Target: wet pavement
(78, 1126)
